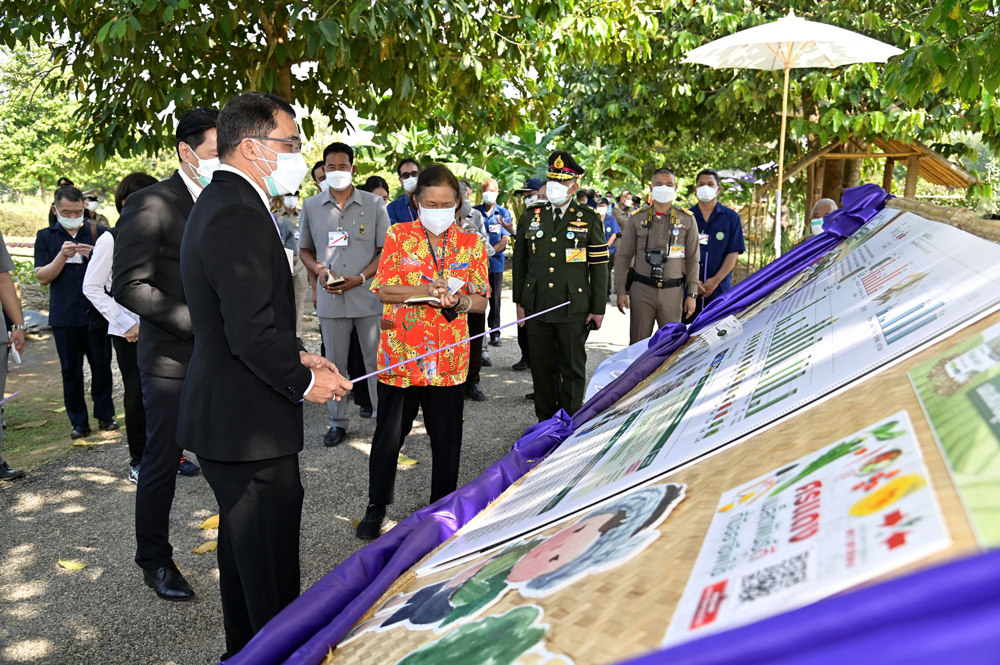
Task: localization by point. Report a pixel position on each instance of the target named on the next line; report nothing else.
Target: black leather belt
(665, 284)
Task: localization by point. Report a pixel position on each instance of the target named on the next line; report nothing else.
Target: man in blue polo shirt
(403, 209)
(498, 224)
(721, 233)
(611, 232)
(62, 252)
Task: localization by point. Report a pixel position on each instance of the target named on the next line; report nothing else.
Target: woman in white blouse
(123, 325)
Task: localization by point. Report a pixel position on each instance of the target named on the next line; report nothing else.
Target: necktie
(559, 214)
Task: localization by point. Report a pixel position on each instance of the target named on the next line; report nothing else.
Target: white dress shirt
(97, 283)
(192, 186)
(264, 199)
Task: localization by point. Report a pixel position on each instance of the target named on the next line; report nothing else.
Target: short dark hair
(68, 193)
(437, 175)
(64, 182)
(375, 182)
(249, 114)
(403, 162)
(603, 201)
(131, 184)
(581, 192)
(192, 126)
(591, 193)
(341, 148)
(664, 170)
(318, 165)
(711, 172)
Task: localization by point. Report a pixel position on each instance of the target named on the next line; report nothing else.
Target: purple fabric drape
(946, 614)
(303, 632)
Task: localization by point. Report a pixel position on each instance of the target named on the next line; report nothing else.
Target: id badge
(337, 239)
(576, 255)
(676, 252)
(76, 258)
(494, 228)
(703, 238)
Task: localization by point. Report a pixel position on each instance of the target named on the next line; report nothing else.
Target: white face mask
(557, 192)
(664, 194)
(205, 168)
(409, 184)
(706, 193)
(339, 180)
(288, 170)
(93, 205)
(70, 223)
(628, 203)
(291, 202)
(324, 185)
(817, 226)
(602, 210)
(489, 198)
(530, 201)
(437, 220)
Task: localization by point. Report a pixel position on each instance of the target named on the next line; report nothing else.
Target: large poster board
(842, 515)
(907, 283)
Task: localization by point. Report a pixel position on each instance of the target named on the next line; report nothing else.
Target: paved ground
(81, 508)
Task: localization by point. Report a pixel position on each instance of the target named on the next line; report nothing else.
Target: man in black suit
(147, 280)
(241, 407)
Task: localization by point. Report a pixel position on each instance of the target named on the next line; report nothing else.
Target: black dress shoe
(487, 362)
(495, 341)
(7, 473)
(365, 412)
(168, 583)
(108, 424)
(520, 365)
(370, 527)
(80, 431)
(530, 396)
(475, 393)
(334, 436)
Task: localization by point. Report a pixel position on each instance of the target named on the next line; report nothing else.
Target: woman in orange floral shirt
(417, 260)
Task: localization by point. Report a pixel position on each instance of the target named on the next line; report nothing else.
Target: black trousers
(356, 367)
(135, 412)
(73, 344)
(522, 342)
(496, 290)
(158, 471)
(477, 325)
(397, 408)
(559, 368)
(260, 513)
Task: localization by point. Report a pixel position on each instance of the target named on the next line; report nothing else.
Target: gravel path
(81, 508)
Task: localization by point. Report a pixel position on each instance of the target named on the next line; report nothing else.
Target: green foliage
(23, 219)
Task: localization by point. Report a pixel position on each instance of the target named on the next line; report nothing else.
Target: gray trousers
(300, 283)
(4, 357)
(337, 338)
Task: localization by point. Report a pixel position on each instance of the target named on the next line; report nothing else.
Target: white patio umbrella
(786, 43)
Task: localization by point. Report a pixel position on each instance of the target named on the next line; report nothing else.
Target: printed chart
(903, 287)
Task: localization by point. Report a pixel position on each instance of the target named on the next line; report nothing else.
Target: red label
(709, 605)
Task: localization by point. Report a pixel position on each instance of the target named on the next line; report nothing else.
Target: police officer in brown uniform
(656, 273)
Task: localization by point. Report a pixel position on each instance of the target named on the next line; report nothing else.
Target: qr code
(774, 579)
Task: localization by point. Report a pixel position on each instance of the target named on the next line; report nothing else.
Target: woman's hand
(438, 288)
(449, 299)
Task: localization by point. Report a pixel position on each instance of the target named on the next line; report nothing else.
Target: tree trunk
(912, 175)
(833, 179)
(890, 164)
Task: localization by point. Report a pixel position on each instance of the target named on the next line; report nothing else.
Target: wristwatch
(18, 327)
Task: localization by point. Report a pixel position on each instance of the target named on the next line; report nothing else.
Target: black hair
(192, 126)
(131, 184)
(710, 172)
(64, 182)
(341, 148)
(665, 170)
(249, 114)
(437, 175)
(603, 201)
(581, 192)
(318, 165)
(591, 193)
(68, 193)
(375, 182)
(404, 161)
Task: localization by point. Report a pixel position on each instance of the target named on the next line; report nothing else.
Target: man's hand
(132, 334)
(83, 249)
(520, 315)
(690, 304)
(622, 303)
(17, 340)
(68, 249)
(313, 361)
(596, 318)
(328, 385)
(706, 288)
(352, 281)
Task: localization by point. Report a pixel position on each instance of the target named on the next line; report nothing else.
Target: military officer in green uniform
(658, 254)
(560, 255)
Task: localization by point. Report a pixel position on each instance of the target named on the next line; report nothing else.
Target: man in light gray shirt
(341, 233)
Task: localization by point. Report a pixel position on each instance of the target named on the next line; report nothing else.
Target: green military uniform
(556, 260)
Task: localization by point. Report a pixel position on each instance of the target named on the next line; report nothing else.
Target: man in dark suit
(241, 407)
(147, 280)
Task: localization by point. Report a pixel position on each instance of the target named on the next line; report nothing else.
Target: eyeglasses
(296, 143)
(409, 174)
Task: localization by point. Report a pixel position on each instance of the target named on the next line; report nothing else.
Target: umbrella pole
(781, 163)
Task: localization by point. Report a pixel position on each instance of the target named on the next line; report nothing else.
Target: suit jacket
(147, 274)
(242, 398)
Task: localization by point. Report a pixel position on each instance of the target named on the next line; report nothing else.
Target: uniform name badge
(494, 228)
(703, 238)
(574, 255)
(676, 252)
(76, 258)
(337, 239)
